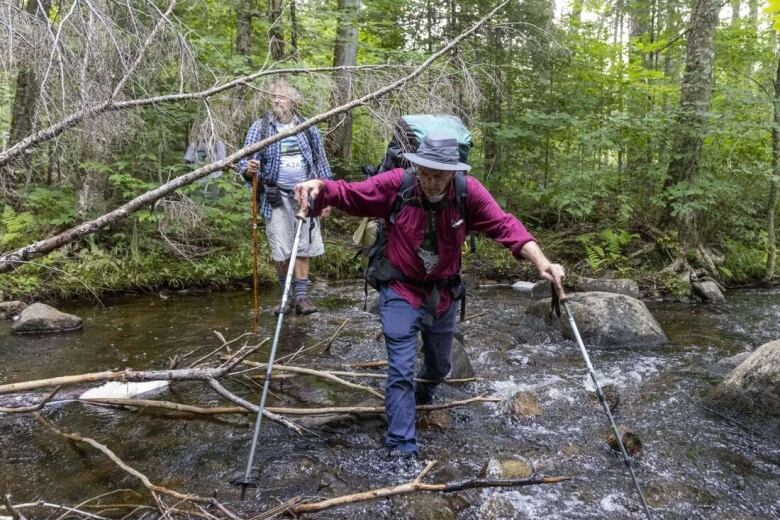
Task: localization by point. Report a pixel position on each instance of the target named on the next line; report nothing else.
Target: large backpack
(408, 134)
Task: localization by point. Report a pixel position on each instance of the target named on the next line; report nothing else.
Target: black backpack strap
(405, 193)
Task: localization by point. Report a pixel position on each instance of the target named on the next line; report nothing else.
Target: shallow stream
(697, 463)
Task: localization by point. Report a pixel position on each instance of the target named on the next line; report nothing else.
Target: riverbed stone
(631, 441)
(613, 285)
(498, 507)
(730, 363)
(40, 318)
(755, 383)
(604, 320)
(425, 507)
(434, 420)
(708, 291)
(526, 404)
(508, 468)
(11, 309)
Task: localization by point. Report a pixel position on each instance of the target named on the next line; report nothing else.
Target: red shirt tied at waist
(374, 197)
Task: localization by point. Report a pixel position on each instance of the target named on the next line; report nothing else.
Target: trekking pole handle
(304, 213)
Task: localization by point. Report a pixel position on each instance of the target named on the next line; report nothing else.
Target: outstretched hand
(305, 191)
(554, 273)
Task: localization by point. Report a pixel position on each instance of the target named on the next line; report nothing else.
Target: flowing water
(697, 462)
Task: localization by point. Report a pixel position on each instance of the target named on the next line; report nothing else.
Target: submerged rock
(755, 383)
(730, 363)
(508, 468)
(603, 319)
(39, 318)
(425, 507)
(498, 507)
(525, 404)
(434, 420)
(11, 309)
(614, 285)
(708, 291)
(631, 441)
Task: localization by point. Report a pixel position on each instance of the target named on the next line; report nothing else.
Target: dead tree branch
(154, 489)
(132, 376)
(247, 407)
(11, 261)
(112, 104)
(416, 485)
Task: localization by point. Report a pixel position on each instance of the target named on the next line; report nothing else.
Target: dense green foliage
(573, 133)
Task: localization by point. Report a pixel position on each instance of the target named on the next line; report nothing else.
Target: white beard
(435, 199)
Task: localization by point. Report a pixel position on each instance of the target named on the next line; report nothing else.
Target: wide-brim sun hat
(438, 152)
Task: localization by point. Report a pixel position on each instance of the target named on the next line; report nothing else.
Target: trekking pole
(255, 276)
(247, 481)
(558, 299)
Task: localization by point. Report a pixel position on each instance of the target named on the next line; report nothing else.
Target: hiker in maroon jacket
(420, 281)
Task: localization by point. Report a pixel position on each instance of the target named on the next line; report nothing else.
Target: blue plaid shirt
(309, 141)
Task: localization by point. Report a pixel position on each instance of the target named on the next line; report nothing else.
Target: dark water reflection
(696, 464)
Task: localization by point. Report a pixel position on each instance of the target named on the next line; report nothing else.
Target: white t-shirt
(291, 167)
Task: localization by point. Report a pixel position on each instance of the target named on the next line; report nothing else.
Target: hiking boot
(278, 308)
(305, 306)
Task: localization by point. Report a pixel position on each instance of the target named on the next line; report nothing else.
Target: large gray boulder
(614, 285)
(604, 320)
(708, 291)
(11, 309)
(39, 318)
(755, 383)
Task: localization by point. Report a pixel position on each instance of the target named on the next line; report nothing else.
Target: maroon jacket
(374, 197)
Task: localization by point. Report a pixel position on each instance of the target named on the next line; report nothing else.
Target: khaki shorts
(280, 230)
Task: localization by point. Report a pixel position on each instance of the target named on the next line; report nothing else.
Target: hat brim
(416, 159)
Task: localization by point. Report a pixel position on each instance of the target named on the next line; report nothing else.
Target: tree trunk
(244, 14)
(772, 203)
(753, 17)
(295, 29)
(694, 105)
(275, 31)
(90, 196)
(344, 54)
(736, 6)
(28, 87)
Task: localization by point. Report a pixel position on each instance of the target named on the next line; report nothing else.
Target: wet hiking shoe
(305, 306)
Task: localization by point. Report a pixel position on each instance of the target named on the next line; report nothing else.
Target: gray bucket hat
(438, 152)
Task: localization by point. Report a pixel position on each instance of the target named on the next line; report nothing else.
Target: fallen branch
(154, 489)
(250, 408)
(14, 259)
(330, 376)
(328, 372)
(370, 364)
(112, 105)
(132, 376)
(15, 514)
(416, 485)
(270, 414)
